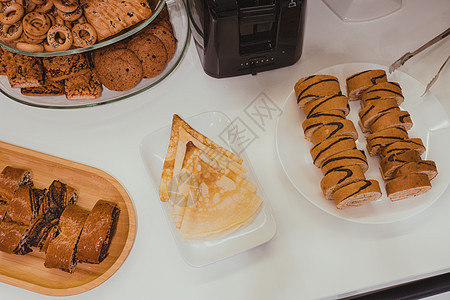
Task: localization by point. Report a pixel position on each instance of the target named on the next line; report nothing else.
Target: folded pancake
(98, 231)
(333, 129)
(167, 172)
(187, 188)
(378, 140)
(373, 110)
(223, 161)
(317, 120)
(344, 159)
(61, 252)
(222, 207)
(324, 104)
(390, 163)
(24, 206)
(407, 186)
(394, 118)
(329, 147)
(357, 193)
(10, 179)
(340, 177)
(13, 238)
(381, 90)
(359, 82)
(427, 167)
(58, 196)
(406, 144)
(315, 86)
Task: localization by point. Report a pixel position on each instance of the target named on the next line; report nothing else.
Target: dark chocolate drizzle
(329, 146)
(301, 96)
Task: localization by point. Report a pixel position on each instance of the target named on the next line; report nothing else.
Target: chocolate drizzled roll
(61, 252)
(58, 196)
(359, 82)
(333, 129)
(323, 104)
(393, 118)
(357, 193)
(406, 186)
(373, 110)
(406, 144)
(13, 238)
(378, 140)
(98, 232)
(315, 86)
(344, 159)
(10, 179)
(330, 147)
(339, 177)
(381, 90)
(391, 162)
(315, 121)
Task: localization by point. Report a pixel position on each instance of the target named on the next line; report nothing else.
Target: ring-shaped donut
(71, 16)
(11, 13)
(10, 32)
(28, 5)
(66, 5)
(36, 23)
(45, 7)
(54, 43)
(32, 40)
(84, 35)
(29, 47)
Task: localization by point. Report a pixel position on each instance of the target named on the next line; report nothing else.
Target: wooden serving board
(28, 271)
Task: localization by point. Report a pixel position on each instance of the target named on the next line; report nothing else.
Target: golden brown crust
(97, 232)
(62, 67)
(111, 17)
(10, 179)
(61, 252)
(23, 71)
(82, 87)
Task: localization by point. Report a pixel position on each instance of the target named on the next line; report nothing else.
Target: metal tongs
(399, 62)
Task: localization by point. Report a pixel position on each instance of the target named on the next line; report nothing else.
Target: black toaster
(236, 37)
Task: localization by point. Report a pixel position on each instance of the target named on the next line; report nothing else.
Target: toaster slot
(257, 26)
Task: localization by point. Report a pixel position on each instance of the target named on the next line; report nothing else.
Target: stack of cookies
(406, 174)
(121, 66)
(334, 138)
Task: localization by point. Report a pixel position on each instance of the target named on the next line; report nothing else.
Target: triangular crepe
(222, 206)
(167, 173)
(184, 187)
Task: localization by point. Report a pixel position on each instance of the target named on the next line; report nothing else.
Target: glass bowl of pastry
(56, 27)
(118, 67)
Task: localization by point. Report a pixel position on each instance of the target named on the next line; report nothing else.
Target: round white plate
(431, 124)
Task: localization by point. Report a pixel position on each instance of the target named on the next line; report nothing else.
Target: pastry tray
(28, 271)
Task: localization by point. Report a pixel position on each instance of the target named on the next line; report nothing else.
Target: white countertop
(313, 254)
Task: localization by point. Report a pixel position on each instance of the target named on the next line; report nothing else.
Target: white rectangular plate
(214, 125)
